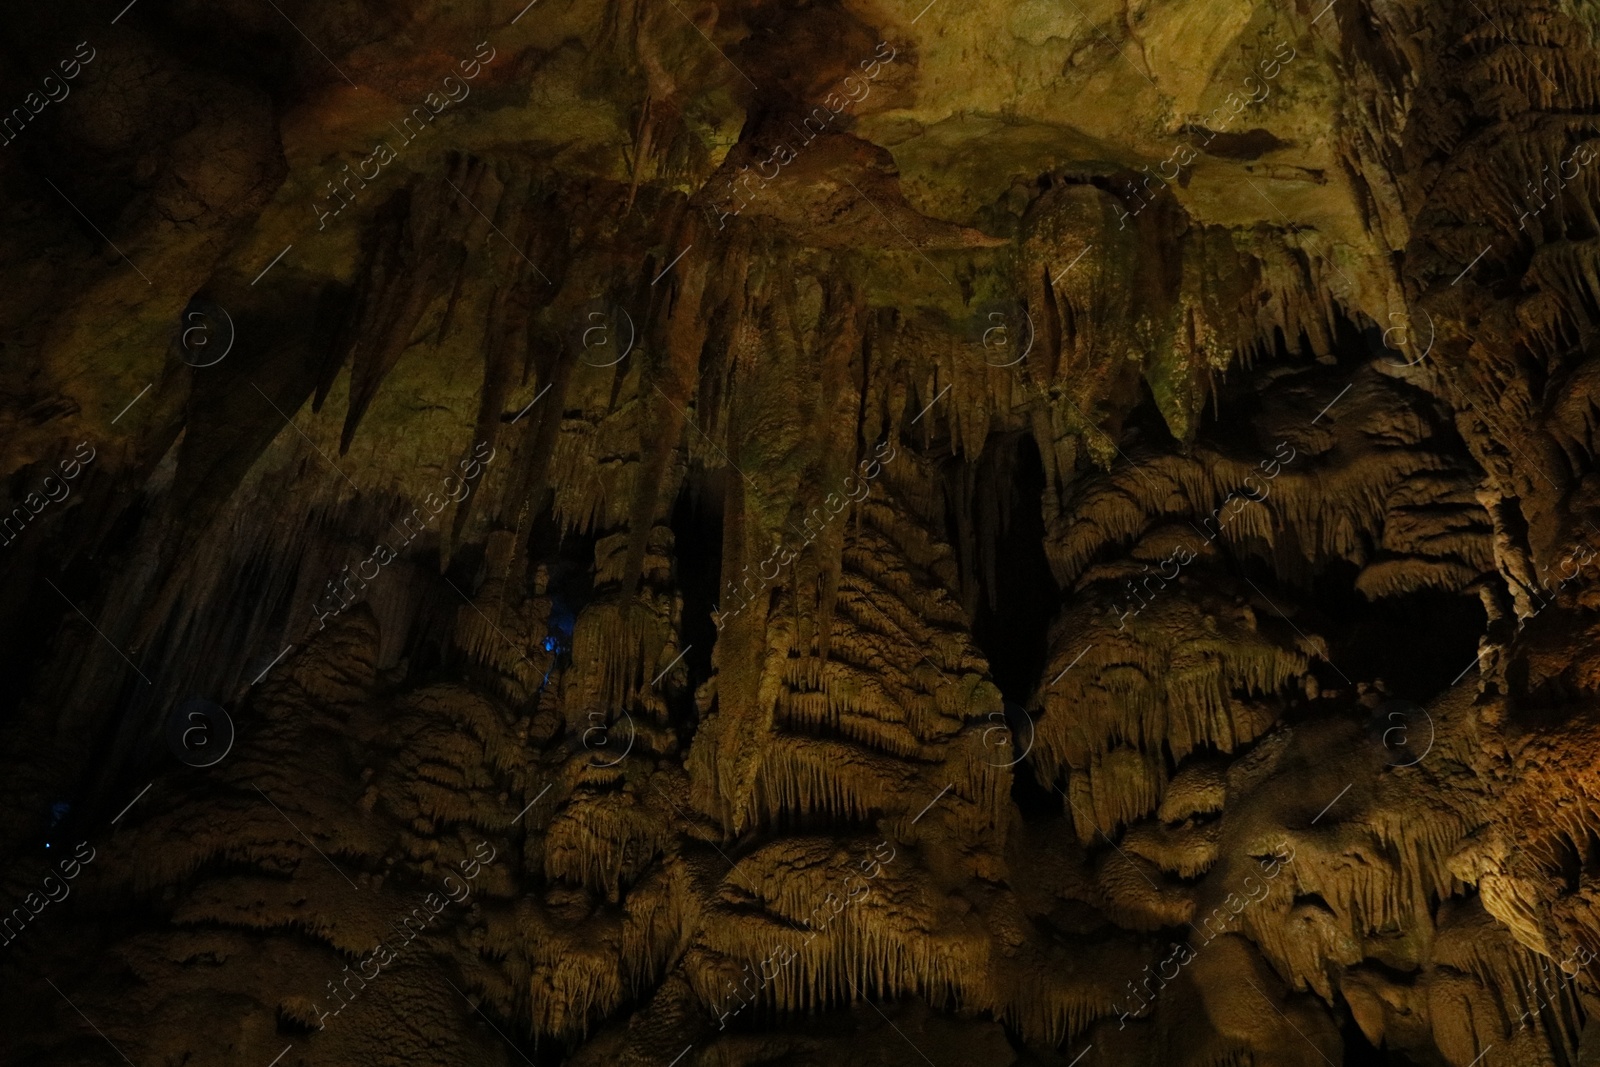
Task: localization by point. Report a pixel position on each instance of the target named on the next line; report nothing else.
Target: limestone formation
(734, 533)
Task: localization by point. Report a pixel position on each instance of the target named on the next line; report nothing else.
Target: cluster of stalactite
(703, 848)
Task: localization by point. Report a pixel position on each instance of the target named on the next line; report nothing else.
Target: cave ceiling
(706, 534)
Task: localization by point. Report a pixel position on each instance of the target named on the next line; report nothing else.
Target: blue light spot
(562, 620)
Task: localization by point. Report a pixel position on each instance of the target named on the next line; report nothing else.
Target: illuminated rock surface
(1023, 533)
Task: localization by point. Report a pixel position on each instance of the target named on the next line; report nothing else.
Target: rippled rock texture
(716, 534)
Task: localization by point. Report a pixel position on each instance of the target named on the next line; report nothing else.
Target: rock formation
(732, 534)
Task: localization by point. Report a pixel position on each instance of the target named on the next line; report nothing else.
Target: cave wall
(801, 534)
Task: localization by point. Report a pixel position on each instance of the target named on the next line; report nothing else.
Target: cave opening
(1418, 642)
(567, 560)
(696, 523)
(1015, 610)
(1359, 1052)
